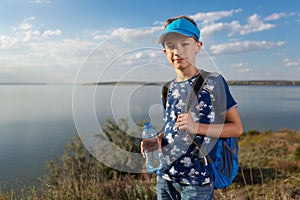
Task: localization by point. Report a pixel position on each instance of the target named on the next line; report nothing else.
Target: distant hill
(230, 82)
(19, 83)
(263, 82)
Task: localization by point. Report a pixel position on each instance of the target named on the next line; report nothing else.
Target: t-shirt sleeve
(230, 102)
(221, 95)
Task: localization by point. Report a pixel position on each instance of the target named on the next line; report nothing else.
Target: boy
(185, 175)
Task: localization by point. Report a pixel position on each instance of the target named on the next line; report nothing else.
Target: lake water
(37, 121)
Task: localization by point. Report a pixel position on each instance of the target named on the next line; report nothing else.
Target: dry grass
(269, 169)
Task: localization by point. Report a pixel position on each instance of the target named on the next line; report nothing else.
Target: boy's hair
(179, 17)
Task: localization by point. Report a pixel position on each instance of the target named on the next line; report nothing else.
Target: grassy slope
(268, 170)
(268, 167)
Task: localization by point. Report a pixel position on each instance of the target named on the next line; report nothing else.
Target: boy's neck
(186, 74)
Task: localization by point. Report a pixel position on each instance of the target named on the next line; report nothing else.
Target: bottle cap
(147, 125)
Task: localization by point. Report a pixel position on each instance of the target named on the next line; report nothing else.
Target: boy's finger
(142, 149)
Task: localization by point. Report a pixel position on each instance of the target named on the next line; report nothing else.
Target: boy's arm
(231, 128)
(160, 137)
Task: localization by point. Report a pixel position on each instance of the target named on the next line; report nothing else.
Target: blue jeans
(167, 190)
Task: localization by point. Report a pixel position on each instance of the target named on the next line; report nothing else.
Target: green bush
(251, 133)
(297, 154)
(79, 175)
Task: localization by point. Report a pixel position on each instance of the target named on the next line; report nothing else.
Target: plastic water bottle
(152, 153)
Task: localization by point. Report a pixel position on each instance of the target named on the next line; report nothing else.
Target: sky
(60, 41)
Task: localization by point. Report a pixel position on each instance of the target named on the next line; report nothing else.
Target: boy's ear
(165, 51)
(199, 45)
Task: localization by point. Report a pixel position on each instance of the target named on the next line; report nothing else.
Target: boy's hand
(186, 122)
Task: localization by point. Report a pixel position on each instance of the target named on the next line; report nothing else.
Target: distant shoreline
(230, 82)
(128, 83)
(23, 84)
(263, 82)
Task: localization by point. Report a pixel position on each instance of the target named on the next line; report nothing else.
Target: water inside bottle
(150, 144)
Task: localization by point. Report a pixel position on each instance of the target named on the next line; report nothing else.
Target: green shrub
(297, 154)
(251, 133)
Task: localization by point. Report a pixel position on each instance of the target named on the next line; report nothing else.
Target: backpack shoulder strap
(165, 91)
(202, 151)
(200, 81)
(197, 87)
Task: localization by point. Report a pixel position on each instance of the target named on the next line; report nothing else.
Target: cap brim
(181, 26)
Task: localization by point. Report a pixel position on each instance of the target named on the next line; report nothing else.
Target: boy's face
(181, 50)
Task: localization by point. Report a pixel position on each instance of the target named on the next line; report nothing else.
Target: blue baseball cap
(181, 26)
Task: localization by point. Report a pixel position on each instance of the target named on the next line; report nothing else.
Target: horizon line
(230, 82)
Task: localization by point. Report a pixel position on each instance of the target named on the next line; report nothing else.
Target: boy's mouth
(178, 60)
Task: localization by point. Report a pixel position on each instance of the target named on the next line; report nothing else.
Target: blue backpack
(225, 165)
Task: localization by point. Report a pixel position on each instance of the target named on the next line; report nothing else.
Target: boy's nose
(177, 51)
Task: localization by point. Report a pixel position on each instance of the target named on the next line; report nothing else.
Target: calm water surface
(37, 121)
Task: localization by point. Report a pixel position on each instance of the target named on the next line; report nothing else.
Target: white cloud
(213, 28)
(64, 51)
(48, 61)
(244, 46)
(158, 23)
(49, 33)
(242, 67)
(254, 24)
(26, 32)
(289, 63)
(143, 56)
(30, 35)
(127, 34)
(210, 17)
(7, 42)
(245, 70)
(61, 56)
(25, 26)
(210, 25)
(135, 56)
(98, 35)
(276, 16)
(40, 1)
(40, 53)
(240, 64)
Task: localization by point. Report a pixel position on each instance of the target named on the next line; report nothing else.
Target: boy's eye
(170, 47)
(185, 44)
